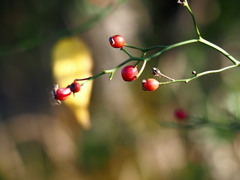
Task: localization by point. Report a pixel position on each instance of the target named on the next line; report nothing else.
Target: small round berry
(180, 115)
(75, 87)
(62, 93)
(117, 41)
(150, 84)
(129, 73)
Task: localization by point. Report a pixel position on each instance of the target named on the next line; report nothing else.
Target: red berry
(150, 84)
(75, 87)
(62, 93)
(180, 114)
(117, 41)
(129, 73)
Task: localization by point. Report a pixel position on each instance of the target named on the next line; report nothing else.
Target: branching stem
(166, 48)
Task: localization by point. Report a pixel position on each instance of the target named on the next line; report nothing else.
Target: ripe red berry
(75, 87)
(62, 93)
(180, 114)
(150, 84)
(117, 41)
(129, 73)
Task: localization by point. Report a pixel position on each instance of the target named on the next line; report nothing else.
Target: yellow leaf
(72, 59)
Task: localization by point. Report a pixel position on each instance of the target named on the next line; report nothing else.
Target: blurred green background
(134, 134)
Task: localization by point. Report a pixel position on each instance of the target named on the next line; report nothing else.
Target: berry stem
(144, 50)
(199, 75)
(110, 71)
(126, 51)
(167, 77)
(142, 69)
(83, 79)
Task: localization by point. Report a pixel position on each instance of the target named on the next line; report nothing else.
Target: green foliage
(192, 171)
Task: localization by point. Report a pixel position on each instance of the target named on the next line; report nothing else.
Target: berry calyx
(117, 41)
(62, 93)
(150, 84)
(129, 73)
(75, 87)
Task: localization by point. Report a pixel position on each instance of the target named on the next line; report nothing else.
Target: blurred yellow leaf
(71, 59)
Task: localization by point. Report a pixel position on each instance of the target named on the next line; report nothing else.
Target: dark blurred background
(133, 134)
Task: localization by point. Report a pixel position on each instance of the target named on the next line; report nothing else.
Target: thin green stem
(185, 3)
(139, 60)
(109, 71)
(199, 75)
(92, 77)
(126, 51)
(142, 68)
(211, 72)
(170, 47)
(145, 49)
(225, 53)
(167, 48)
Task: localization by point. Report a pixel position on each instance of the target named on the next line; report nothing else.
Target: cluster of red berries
(130, 72)
(63, 93)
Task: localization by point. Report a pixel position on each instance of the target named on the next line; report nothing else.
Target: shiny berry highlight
(117, 41)
(129, 73)
(62, 93)
(150, 84)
